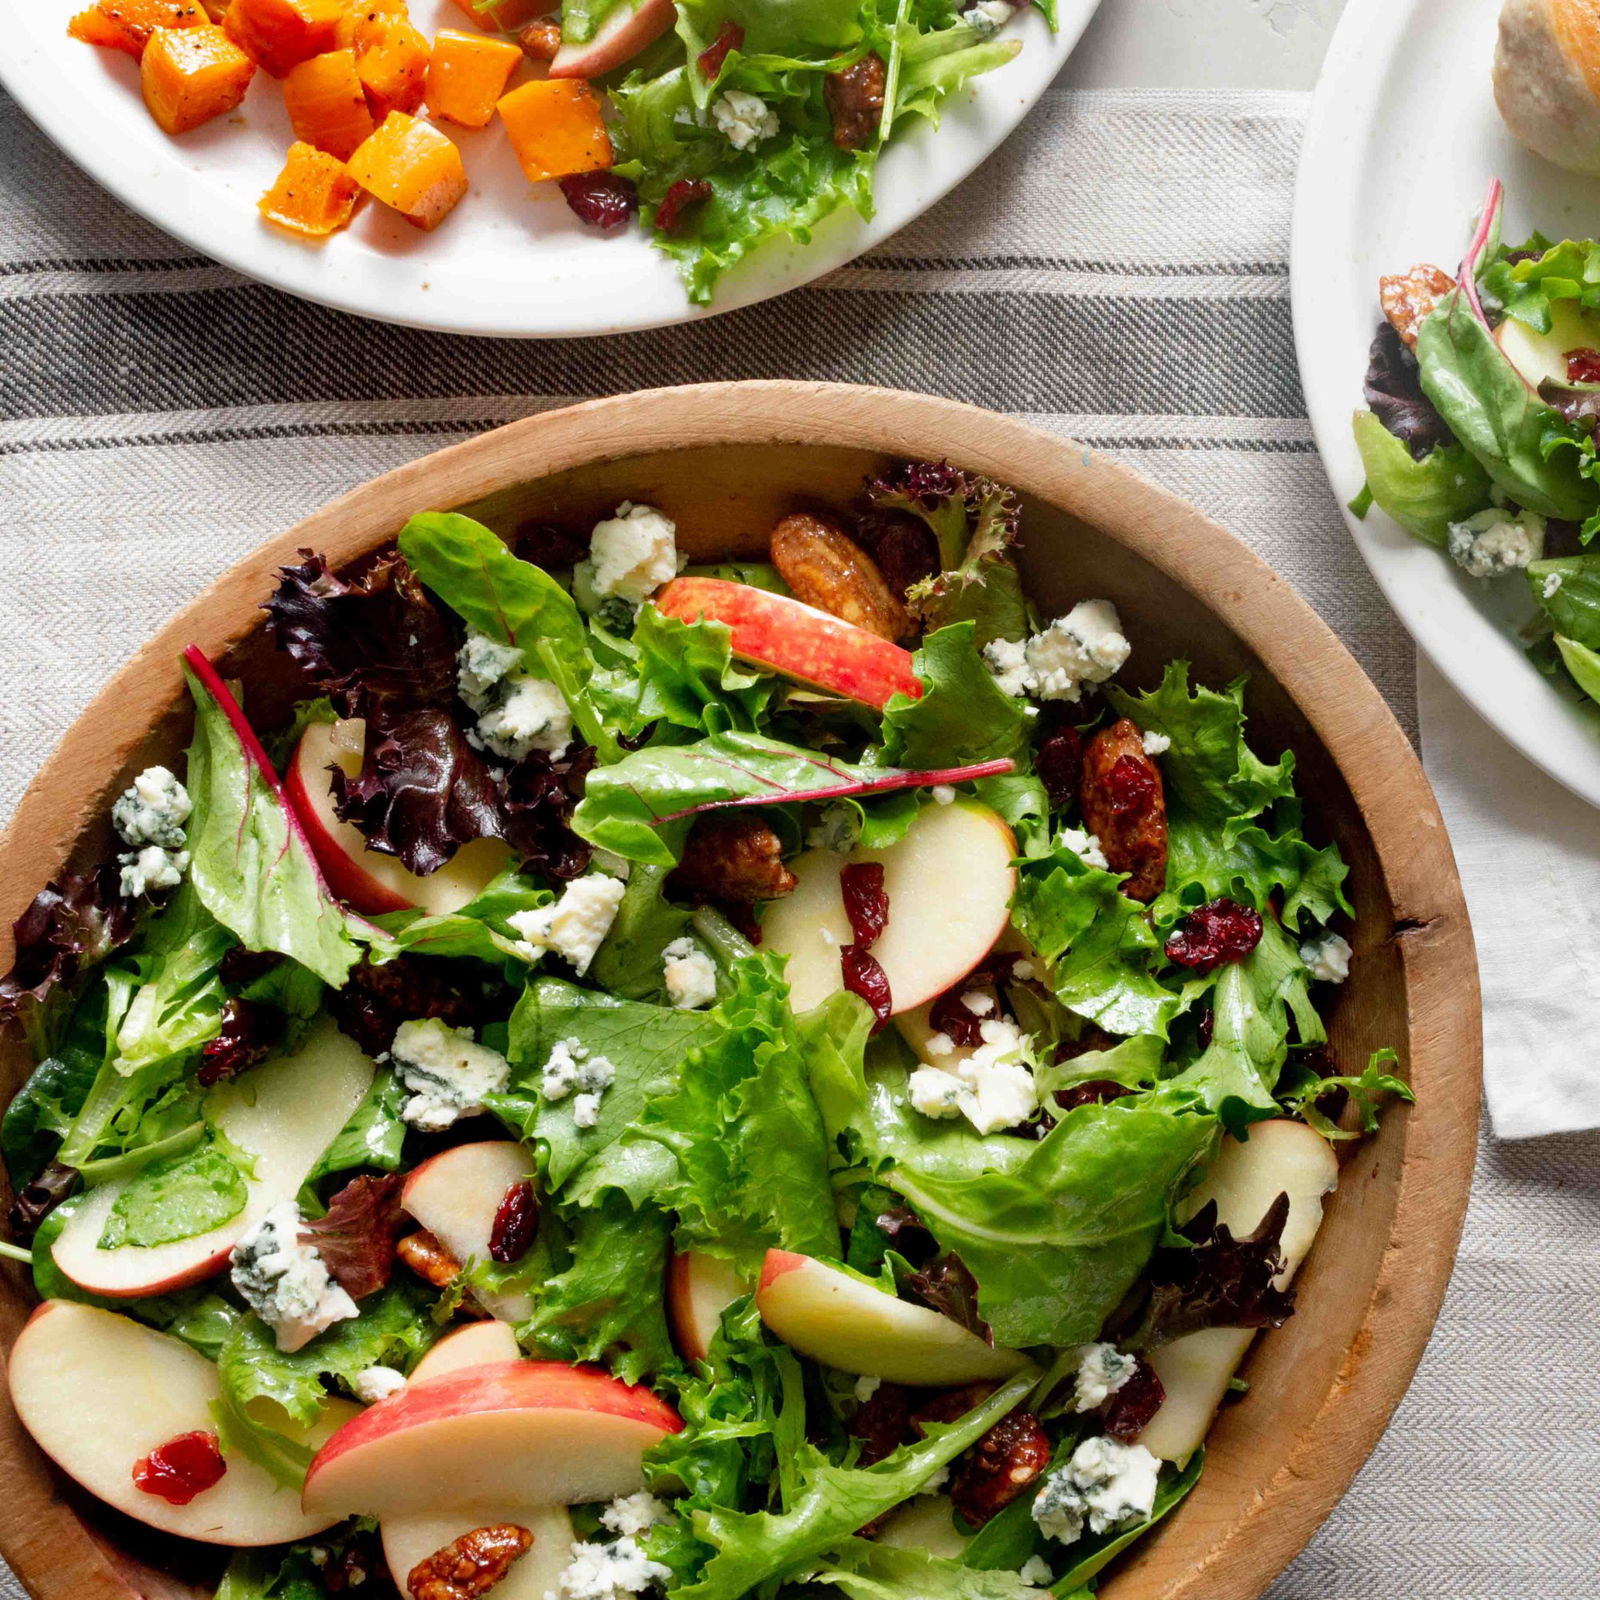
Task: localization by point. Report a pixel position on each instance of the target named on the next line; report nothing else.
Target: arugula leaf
(1447, 485)
(511, 601)
(187, 1194)
(962, 716)
(250, 863)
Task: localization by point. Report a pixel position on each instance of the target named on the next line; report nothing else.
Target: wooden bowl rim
(43, 1537)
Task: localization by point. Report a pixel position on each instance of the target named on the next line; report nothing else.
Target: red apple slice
(533, 1575)
(699, 1289)
(99, 1392)
(1540, 356)
(949, 881)
(519, 1433)
(619, 38)
(369, 881)
(285, 1113)
(842, 1322)
(786, 635)
(478, 1344)
(455, 1196)
(1279, 1157)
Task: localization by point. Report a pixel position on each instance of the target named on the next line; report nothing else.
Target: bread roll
(1547, 79)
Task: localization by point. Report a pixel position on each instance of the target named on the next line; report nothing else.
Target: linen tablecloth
(1116, 273)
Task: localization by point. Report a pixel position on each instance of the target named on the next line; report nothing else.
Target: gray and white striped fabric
(1116, 273)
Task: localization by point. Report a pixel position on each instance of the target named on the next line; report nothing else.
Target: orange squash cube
(280, 34)
(314, 195)
(506, 15)
(190, 75)
(326, 104)
(467, 74)
(413, 167)
(393, 66)
(364, 20)
(126, 25)
(556, 129)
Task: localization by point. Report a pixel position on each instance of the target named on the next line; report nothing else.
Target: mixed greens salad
(753, 119)
(1484, 391)
(672, 1078)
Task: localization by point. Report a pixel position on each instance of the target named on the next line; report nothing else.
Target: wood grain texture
(725, 461)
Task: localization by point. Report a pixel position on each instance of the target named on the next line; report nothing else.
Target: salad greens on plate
(1484, 392)
(678, 1079)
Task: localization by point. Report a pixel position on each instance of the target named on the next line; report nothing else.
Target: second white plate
(1402, 142)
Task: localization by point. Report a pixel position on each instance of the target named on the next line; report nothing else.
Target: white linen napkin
(1529, 854)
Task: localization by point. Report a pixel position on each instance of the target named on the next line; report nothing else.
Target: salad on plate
(1483, 391)
(682, 1079)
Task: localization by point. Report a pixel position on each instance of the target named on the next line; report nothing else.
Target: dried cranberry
(1218, 932)
(866, 902)
(240, 967)
(249, 1031)
(601, 199)
(863, 976)
(1059, 763)
(181, 1468)
(952, 1016)
(1583, 366)
(882, 1422)
(730, 37)
(1135, 1403)
(743, 917)
(515, 1223)
(1132, 786)
(686, 192)
(1093, 1092)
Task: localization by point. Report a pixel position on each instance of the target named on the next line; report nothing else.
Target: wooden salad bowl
(725, 460)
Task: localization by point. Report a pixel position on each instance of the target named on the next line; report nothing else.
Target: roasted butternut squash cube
(364, 20)
(326, 104)
(190, 75)
(467, 74)
(393, 65)
(556, 129)
(280, 34)
(506, 15)
(314, 195)
(413, 167)
(126, 25)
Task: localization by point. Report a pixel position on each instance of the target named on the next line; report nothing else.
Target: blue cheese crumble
(1105, 1485)
(144, 871)
(575, 925)
(993, 1087)
(633, 1514)
(837, 828)
(1327, 957)
(447, 1072)
(518, 713)
(149, 816)
(1103, 1370)
(743, 119)
(689, 974)
(634, 552)
(571, 1065)
(1495, 542)
(610, 1571)
(1035, 1572)
(1085, 846)
(284, 1280)
(1085, 646)
(372, 1384)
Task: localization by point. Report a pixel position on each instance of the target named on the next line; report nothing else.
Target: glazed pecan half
(832, 572)
(1407, 297)
(854, 99)
(732, 856)
(471, 1565)
(428, 1259)
(1000, 1466)
(1125, 807)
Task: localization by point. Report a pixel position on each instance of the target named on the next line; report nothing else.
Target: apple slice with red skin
(521, 1433)
(837, 1319)
(478, 1344)
(455, 1196)
(699, 1289)
(285, 1113)
(623, 34)
(949, 881)
(99, 1392)
(1278, 1157)
(786, 635)
(368, 880)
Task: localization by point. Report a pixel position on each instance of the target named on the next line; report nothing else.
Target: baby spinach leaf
(187, 1194)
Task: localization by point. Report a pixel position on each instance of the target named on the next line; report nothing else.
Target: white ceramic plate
(512, 260)
(1402, 142)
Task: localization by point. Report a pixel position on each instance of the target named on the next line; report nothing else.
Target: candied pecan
(1408, 297)
(830, 571)
(1125, 807)
(1000, 1466)
(882, 1423)
(541, 39)
(854, 99)
(516, 1221)
(732, 855)
(470, 1565)
(429, 1259)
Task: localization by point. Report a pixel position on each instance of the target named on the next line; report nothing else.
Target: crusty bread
(1547, 79)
